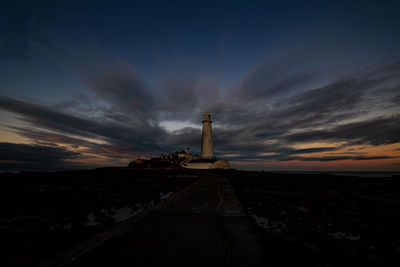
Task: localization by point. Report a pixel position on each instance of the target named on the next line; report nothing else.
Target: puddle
(269, 225)
(344, 235)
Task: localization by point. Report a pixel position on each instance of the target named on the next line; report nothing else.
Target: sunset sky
(290, 85)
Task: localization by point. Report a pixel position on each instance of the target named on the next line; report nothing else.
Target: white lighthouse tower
(206, 142)
(207, 159)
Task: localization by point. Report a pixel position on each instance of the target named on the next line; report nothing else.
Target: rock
(310, 246)
(302, 209)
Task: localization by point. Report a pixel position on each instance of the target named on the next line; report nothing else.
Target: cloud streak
(359, 109)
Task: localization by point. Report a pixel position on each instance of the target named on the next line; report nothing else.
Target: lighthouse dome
(207, 116)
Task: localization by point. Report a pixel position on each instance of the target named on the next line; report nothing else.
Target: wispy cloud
(117, 83)
(359, 109)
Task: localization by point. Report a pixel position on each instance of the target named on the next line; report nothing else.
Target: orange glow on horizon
(347, 165)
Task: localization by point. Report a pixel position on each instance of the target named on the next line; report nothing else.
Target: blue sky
(106, 82)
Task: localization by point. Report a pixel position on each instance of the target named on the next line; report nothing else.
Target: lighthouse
(207, 160)
(206, 142)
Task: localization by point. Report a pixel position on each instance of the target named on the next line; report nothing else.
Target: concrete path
(202, 225)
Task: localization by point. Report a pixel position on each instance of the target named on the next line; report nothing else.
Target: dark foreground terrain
(302, 220)
(43, 214)
(324, 220)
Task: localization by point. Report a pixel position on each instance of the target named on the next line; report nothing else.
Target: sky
(290, 85)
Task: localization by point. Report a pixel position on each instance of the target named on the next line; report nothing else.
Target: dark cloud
(117, 83)
(179, 95)
(182, 93)
(46, 136)
(323, 114)
(377, 131)
(358, 110)
(45, 117)
(334, 158)
(396, 99)
(281, 157)
(268, 81)
(138, 135)
(187, 137)
(36, 157)
(83, 104)
(299, 67)
(310, 150)
(280, 153)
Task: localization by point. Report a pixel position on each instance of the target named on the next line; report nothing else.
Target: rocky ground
(324, 220)
(43, 214)
(310, 220)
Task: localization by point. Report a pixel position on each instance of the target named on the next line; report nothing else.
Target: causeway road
(202, 225)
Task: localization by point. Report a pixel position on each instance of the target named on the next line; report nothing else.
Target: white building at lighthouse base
(217, 164)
